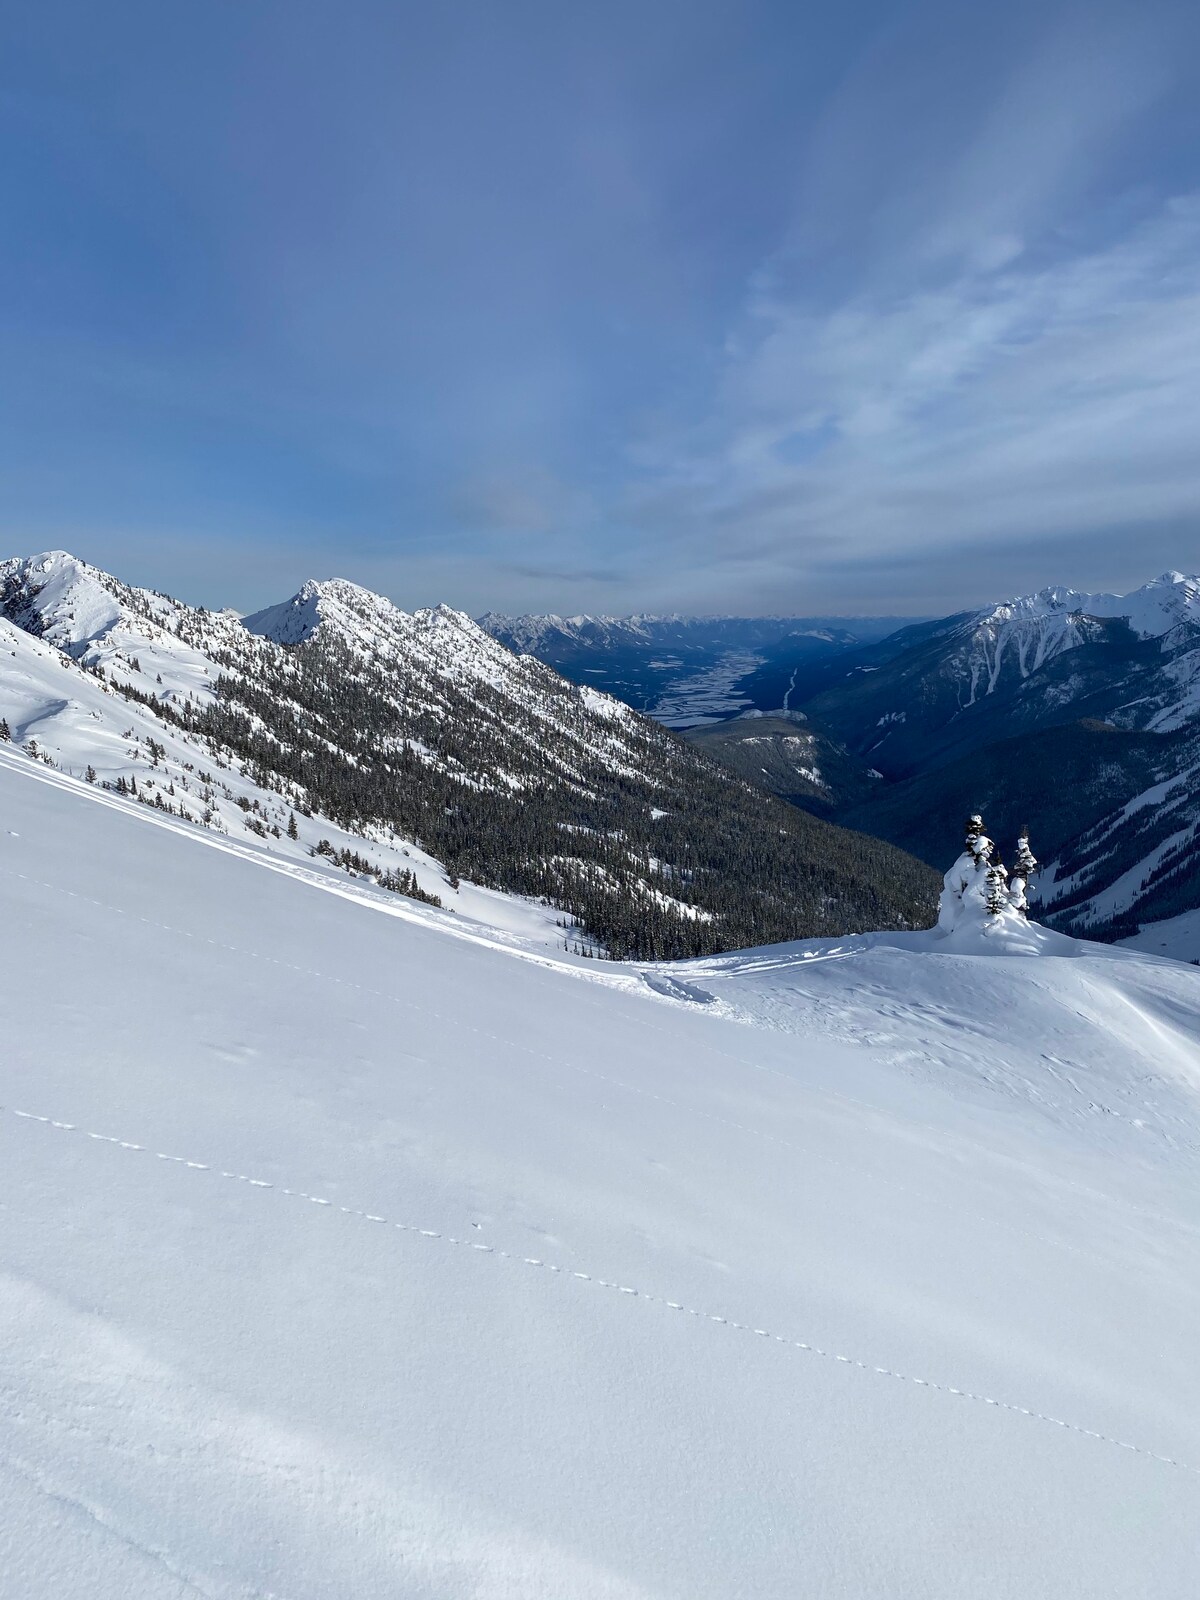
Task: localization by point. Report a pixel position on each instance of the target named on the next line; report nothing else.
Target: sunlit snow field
(351, 1249)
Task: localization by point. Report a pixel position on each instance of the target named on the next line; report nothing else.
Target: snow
(1177, 937)
(1031, 630)
(73, 634)
(292, 621)
(78, 722)
(349, 1248)
(603, 704)
(1151, 611)
(442, 643)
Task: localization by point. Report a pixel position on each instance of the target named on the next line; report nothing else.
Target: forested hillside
(423, 727)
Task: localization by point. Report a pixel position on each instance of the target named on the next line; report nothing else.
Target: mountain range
(1074, 713)
(683, 671)
(357, 1244)
(416, 749)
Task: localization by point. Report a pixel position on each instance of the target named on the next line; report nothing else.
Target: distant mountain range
(1076, 713)
(459, 754)
(418, 750)
(683, 671)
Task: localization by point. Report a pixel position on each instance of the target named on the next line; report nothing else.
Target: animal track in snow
(541, 1264)
(559, 1062)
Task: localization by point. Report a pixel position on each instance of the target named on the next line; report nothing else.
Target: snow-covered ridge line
(1151, 611)
(429, 741)
(101, 679)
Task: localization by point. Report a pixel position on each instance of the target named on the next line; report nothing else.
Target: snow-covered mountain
(934, 691)
(1151, 611)
(345, 1253)
(103, 679)
(994, 708)
(538, 633)
(416, 744)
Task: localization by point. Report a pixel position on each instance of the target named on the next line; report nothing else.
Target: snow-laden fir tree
(964, 898)
(996, 894)
(978, 844)
(1024, 867)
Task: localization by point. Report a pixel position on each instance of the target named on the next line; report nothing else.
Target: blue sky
(714, 307)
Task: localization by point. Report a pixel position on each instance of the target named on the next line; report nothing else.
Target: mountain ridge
(420, 735)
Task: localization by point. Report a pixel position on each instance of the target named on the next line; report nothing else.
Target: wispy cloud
(559, 307)
(1023, 365)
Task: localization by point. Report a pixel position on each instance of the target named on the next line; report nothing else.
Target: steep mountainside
(784, 754)
(421, 732)
(1068, 778)
(1077, 714)
(941, 690)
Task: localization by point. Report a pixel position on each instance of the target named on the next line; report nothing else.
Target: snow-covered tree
(978, 843)
(964, 898)
(996, 894)
(1024, 867)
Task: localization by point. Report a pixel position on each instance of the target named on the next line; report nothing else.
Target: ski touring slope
(348, 1250)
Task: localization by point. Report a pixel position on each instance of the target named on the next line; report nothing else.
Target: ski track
(626, 1290)
(558, 1063)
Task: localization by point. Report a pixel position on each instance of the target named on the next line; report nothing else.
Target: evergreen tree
(293, 832)
(5, 731)
(1024, 867)
(996, 893)
(968, 887)
(979, 846)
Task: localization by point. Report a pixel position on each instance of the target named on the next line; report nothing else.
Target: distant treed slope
(425, 727)
(518, 779)
(932, 693)
(785, 755)
(1078, 714)
(1067, 778)
(1140, 863)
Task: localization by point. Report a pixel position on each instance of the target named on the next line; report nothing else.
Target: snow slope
(77, 722)
(78, 634)
(1177, 937)
(344, 1252)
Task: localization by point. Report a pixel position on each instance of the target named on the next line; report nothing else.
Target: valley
(1075, 714)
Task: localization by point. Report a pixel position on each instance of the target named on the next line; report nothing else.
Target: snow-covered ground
(1177, 937)
(76, 721)
(350, 1249)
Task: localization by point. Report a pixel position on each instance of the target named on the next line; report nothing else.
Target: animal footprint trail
(628, 1291)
